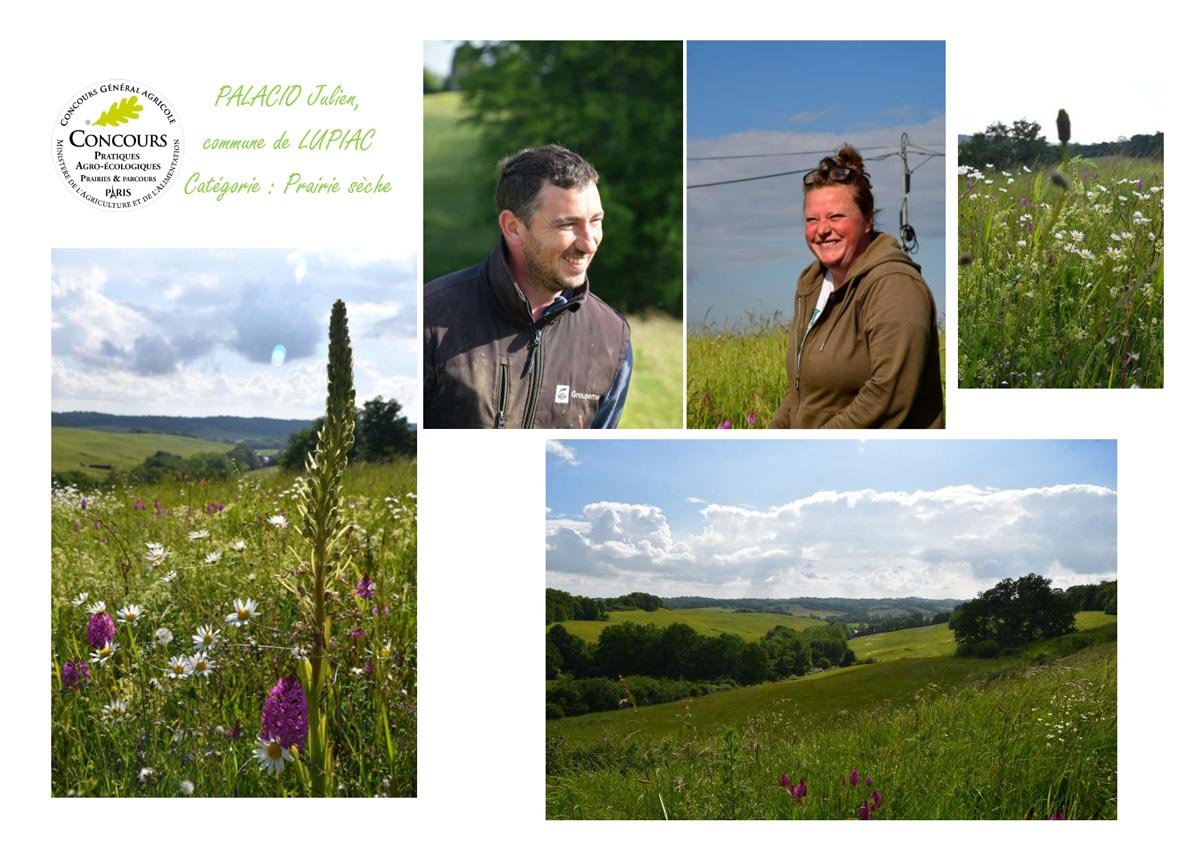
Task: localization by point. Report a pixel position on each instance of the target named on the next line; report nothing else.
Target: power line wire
(787, 153)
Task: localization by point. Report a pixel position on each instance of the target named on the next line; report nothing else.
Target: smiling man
(519, 340)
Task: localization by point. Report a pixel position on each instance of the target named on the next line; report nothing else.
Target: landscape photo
(830, 629)
(233, 523)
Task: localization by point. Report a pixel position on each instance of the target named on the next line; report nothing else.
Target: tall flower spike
(325, 533)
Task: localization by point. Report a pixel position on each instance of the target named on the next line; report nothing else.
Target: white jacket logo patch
(562, 393)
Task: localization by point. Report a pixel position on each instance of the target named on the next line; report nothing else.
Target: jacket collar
(512, 301)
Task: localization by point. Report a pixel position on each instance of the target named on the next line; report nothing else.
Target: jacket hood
(512, 300)
(882, 249)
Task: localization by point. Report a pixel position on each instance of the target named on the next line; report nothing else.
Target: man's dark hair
(522, 174)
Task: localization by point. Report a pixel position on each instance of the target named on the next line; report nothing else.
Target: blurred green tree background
(618, 104)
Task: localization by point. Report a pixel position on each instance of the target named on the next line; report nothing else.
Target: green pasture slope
(942, 737)
(706, 620)
(77, 449)
(938, 640)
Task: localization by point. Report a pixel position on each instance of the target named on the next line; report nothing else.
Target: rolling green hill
(706, 621)
(95, 452)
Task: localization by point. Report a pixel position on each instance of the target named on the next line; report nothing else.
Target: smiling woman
(863, 346)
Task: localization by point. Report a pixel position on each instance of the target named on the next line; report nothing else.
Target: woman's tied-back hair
(846, 169)
(521, 176)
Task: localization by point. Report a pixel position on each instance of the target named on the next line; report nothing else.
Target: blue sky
(192, 332)
(776, 518)
(746, 240)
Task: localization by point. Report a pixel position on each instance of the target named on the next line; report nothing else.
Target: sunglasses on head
(839, 174)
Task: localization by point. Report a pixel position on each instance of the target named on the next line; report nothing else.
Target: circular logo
(117, 144)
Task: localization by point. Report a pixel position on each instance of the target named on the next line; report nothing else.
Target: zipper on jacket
(534, 363)
(502, 402)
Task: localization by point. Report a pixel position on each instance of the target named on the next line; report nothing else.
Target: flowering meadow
(929, 738)
(1061, 275)
(179, 645)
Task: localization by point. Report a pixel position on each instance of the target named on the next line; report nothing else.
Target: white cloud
(562, 452)
(946, 543)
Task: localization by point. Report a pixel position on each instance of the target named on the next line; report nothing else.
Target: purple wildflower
(854, 778)
(800, 790)
(1024, 201)
(1139, 185)
(725, 425)
(1058, 815)
(876, 799)
(864, 813)
(751, 418)
(369, 666)
(285, 714)
(356, 634)
(784, 781)
(100, 630)
(139, 504)
(83, 503)
(75, 674)
(365, 588)
(870, 781)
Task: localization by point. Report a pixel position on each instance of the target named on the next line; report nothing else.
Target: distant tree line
(562, 606)
(678, 659)
(1022, 143)
(380, 434)
(846, 609)
(1101, 596)
(886, 624)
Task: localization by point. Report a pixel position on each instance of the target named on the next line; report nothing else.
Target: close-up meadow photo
(873, 631)
(760, 136)
(233, 595)
(1061, 260)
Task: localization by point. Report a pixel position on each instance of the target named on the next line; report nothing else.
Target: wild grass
(736, 373)
(656, 391)
(737, 377)
(1061, 282)
(989, 740)
(197, 734)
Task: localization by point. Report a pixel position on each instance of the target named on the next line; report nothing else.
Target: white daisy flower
(155, 554)
(170, 576)
(272, 756)
(239, 545)
(200, 664)
(163, 636)
(277, 521)
(243, 612)
(206, 637)
(79, 599)
(96, 607)
(1086, 254)
(145, 774)
(1077, 236)
(115, 711)
(186, 787)
(130, 614)
(195, 535)
(179, 667)
(212, 558)
(102, 654)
